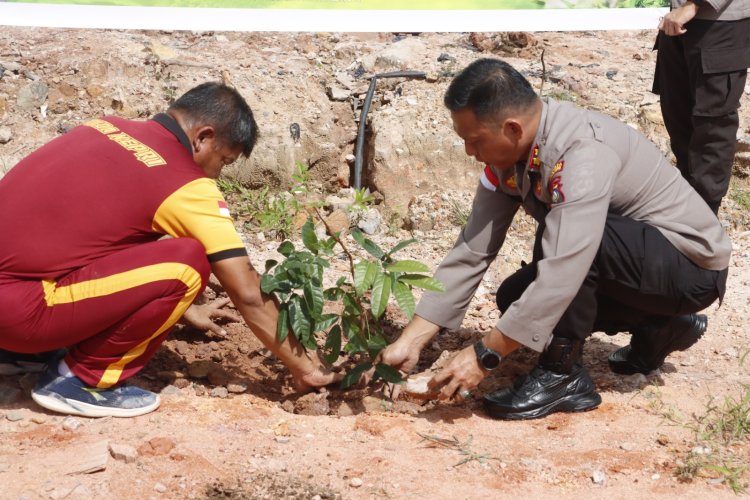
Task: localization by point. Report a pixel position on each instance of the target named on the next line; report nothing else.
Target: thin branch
(544, 74)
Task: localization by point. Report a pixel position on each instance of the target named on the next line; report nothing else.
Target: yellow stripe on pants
(54, 295)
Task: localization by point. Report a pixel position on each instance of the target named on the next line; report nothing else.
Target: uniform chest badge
(534, 161)
(510, 182)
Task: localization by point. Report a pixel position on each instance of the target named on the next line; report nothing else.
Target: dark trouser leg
(637, 279)
(699, 103)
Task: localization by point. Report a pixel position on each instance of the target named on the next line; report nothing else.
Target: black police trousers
(700, 77)
(637, 278)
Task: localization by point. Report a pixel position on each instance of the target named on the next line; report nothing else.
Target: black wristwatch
(488, 359)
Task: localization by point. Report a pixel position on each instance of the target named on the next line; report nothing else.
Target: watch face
(490, 360)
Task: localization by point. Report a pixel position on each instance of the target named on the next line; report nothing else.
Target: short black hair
(223, 108)
(489, 87)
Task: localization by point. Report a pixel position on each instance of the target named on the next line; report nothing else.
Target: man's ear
(202, 135)
(514, 128)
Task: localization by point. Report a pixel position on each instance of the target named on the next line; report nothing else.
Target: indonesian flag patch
(489, 179)
(223, 209)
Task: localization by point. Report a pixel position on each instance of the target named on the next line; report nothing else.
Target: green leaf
(313, 297)
(367, 244)
(375, 344)
(381, 290)
(351, 306)
(421, 281)
(400, 245)
(286, 248)
(333, 344)
(270, 263)
(325, 322)
(298, 319)
(333, 293)
(388, 373)
(354, 374)
(364, 275)
(309, 238)
(404, 298)
(268, 283)
(407, 266)
(282, 324)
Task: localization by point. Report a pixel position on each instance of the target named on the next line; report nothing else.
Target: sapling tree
(348, 316)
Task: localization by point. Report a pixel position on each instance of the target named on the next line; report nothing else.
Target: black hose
(358, 151)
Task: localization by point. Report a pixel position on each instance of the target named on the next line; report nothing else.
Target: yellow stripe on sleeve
(198, 210)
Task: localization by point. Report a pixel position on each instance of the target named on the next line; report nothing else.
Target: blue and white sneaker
(72, 396)
(16, 363)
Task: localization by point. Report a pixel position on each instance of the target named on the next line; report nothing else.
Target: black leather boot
(650, 345)
(558, 383)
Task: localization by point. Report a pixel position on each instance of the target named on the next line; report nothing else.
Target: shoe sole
(618, 362)
(570, 404)
(59, 404)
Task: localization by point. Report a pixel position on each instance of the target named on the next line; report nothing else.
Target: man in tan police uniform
(624, 244)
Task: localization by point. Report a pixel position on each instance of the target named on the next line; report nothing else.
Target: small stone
(337, 93)
(662, 440)
(281, 439)
(627, 446)
(598, 477)
(71, 423)
(201, 369)
(32, 96)
(237, 387)
(156, 446)
(5, 135)
(123, 453)
(181, 383)
(356, 482)
(337, 222)
(219, 392)
(655, 477)
(15, 415)
(160, 488)
(170, 390)
(370, 221)
(38, 418)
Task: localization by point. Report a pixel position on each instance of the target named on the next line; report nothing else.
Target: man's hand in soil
(463, 373)
(403, 354)
(320, 376)
(201, 317)
(673, 24)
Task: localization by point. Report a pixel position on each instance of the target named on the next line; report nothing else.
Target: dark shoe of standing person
(650, 346)
(559, 383)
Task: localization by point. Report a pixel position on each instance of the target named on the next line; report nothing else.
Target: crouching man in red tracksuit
(83, 264)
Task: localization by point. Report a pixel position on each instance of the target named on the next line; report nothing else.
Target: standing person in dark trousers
(701, 69)
(624, 244)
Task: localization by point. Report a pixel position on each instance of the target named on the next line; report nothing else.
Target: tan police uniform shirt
(583, 165)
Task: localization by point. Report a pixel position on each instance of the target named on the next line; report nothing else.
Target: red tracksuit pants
(112, 314)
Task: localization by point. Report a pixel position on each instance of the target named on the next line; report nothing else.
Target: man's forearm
(419, 332)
